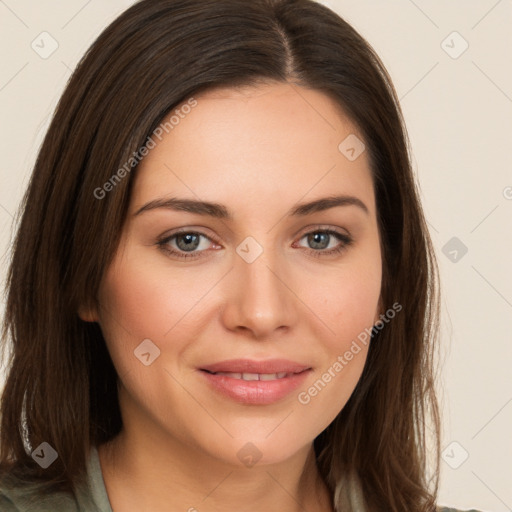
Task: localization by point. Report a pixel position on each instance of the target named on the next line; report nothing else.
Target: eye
(320, 242)
(190, 244)
(184, 244)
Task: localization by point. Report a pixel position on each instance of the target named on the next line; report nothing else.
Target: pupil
(191, 244)
(316, 240)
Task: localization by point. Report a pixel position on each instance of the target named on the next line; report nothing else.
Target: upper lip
(253, 366)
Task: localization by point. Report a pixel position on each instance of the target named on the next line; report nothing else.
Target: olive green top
(91, 497)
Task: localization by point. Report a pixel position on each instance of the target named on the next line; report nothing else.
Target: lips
(255, 382)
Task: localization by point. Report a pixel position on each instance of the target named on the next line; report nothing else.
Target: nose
(260, 298)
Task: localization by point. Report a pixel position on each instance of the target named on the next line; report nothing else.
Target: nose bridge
(259, 299)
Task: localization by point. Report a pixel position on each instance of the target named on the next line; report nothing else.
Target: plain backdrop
(450, 63)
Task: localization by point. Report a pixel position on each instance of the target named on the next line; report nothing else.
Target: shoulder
(17, 496)
(6, 505)
(88, 493)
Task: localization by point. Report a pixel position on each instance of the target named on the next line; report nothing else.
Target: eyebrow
(221, 212)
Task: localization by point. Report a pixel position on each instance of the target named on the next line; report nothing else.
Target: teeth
(254, 376)
(232, 375)
(250, 376)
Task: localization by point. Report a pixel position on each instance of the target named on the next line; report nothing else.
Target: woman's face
(263, 278)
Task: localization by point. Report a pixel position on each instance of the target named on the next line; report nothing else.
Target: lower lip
(259, 392)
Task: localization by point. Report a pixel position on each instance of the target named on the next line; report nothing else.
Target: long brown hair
(61, 384)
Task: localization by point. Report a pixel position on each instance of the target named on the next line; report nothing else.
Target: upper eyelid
(322, 227)
(188, 231)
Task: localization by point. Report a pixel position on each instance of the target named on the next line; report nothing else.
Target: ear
(87, 314)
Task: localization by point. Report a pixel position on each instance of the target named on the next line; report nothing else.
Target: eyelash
(345, 240)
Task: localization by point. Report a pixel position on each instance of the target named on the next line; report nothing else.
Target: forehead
(255, 142)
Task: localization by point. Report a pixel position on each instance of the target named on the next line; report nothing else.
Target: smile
(254, 388)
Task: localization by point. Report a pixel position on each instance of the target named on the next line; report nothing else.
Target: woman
(223, 295)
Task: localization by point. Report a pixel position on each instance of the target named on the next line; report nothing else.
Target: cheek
(144, 299)
(135, 302)
(347, 301)
(141, 299)
(351, 316)
(139, 303)
(134, 307)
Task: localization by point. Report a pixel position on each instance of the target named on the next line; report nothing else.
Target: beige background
(459, 116)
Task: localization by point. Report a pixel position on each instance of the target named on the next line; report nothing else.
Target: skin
(259, 151)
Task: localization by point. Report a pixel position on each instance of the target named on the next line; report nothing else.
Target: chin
(258, 450)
